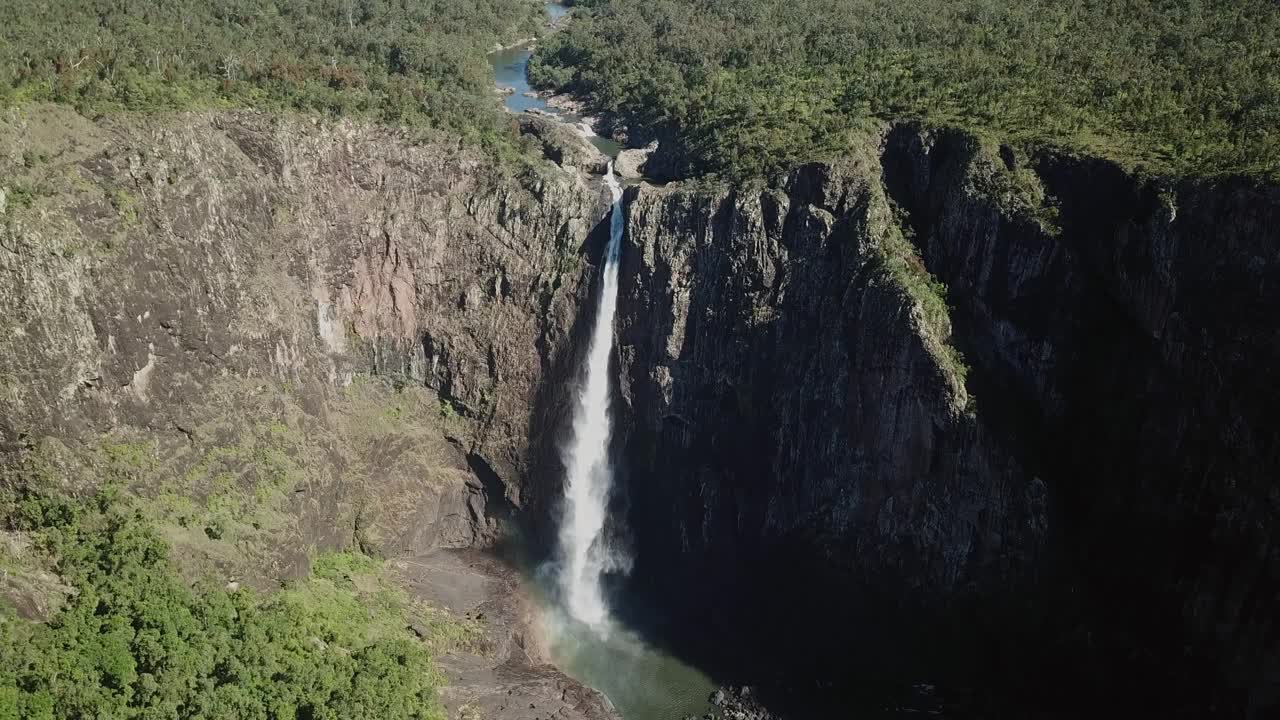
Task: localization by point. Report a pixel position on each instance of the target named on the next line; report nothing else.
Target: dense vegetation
(750, 86)
(137, 642)
(419, 62)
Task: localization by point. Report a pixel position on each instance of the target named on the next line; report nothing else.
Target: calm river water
(511, 70)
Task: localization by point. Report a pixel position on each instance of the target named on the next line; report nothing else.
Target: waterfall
(584, 548)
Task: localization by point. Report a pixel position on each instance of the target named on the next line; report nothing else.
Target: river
(511, 70)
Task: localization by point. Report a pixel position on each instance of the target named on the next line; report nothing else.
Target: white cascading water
(584, 548)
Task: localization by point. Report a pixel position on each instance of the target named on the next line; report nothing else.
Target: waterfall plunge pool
(642, 682)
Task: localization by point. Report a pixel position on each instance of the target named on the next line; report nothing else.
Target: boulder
(563, 145)
(630, 163)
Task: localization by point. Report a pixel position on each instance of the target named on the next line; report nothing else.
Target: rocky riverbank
(744, 702)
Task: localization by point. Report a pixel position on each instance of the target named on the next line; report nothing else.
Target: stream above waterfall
(511, 76)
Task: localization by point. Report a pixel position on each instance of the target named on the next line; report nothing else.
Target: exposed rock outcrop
(563, 145)
(631, 163)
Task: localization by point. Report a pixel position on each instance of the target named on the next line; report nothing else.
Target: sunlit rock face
(183, 279)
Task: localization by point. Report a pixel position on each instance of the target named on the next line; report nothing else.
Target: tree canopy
(135, 642)
(404, 61)
(751, 86)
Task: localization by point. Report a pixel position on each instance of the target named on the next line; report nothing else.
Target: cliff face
(1134, 346)
(801, 440)
(214, 293)
(1060, 466)
(1092, 476)
(285, 336)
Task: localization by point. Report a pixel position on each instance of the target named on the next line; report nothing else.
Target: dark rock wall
(795, 442)
(1136, 348)
(1094, 508)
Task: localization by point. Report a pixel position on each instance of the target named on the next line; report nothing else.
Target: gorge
(937, 424)
(803, 455)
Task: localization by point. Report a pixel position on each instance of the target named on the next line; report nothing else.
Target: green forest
(415, 62)
(134, 641)
(746, 87)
